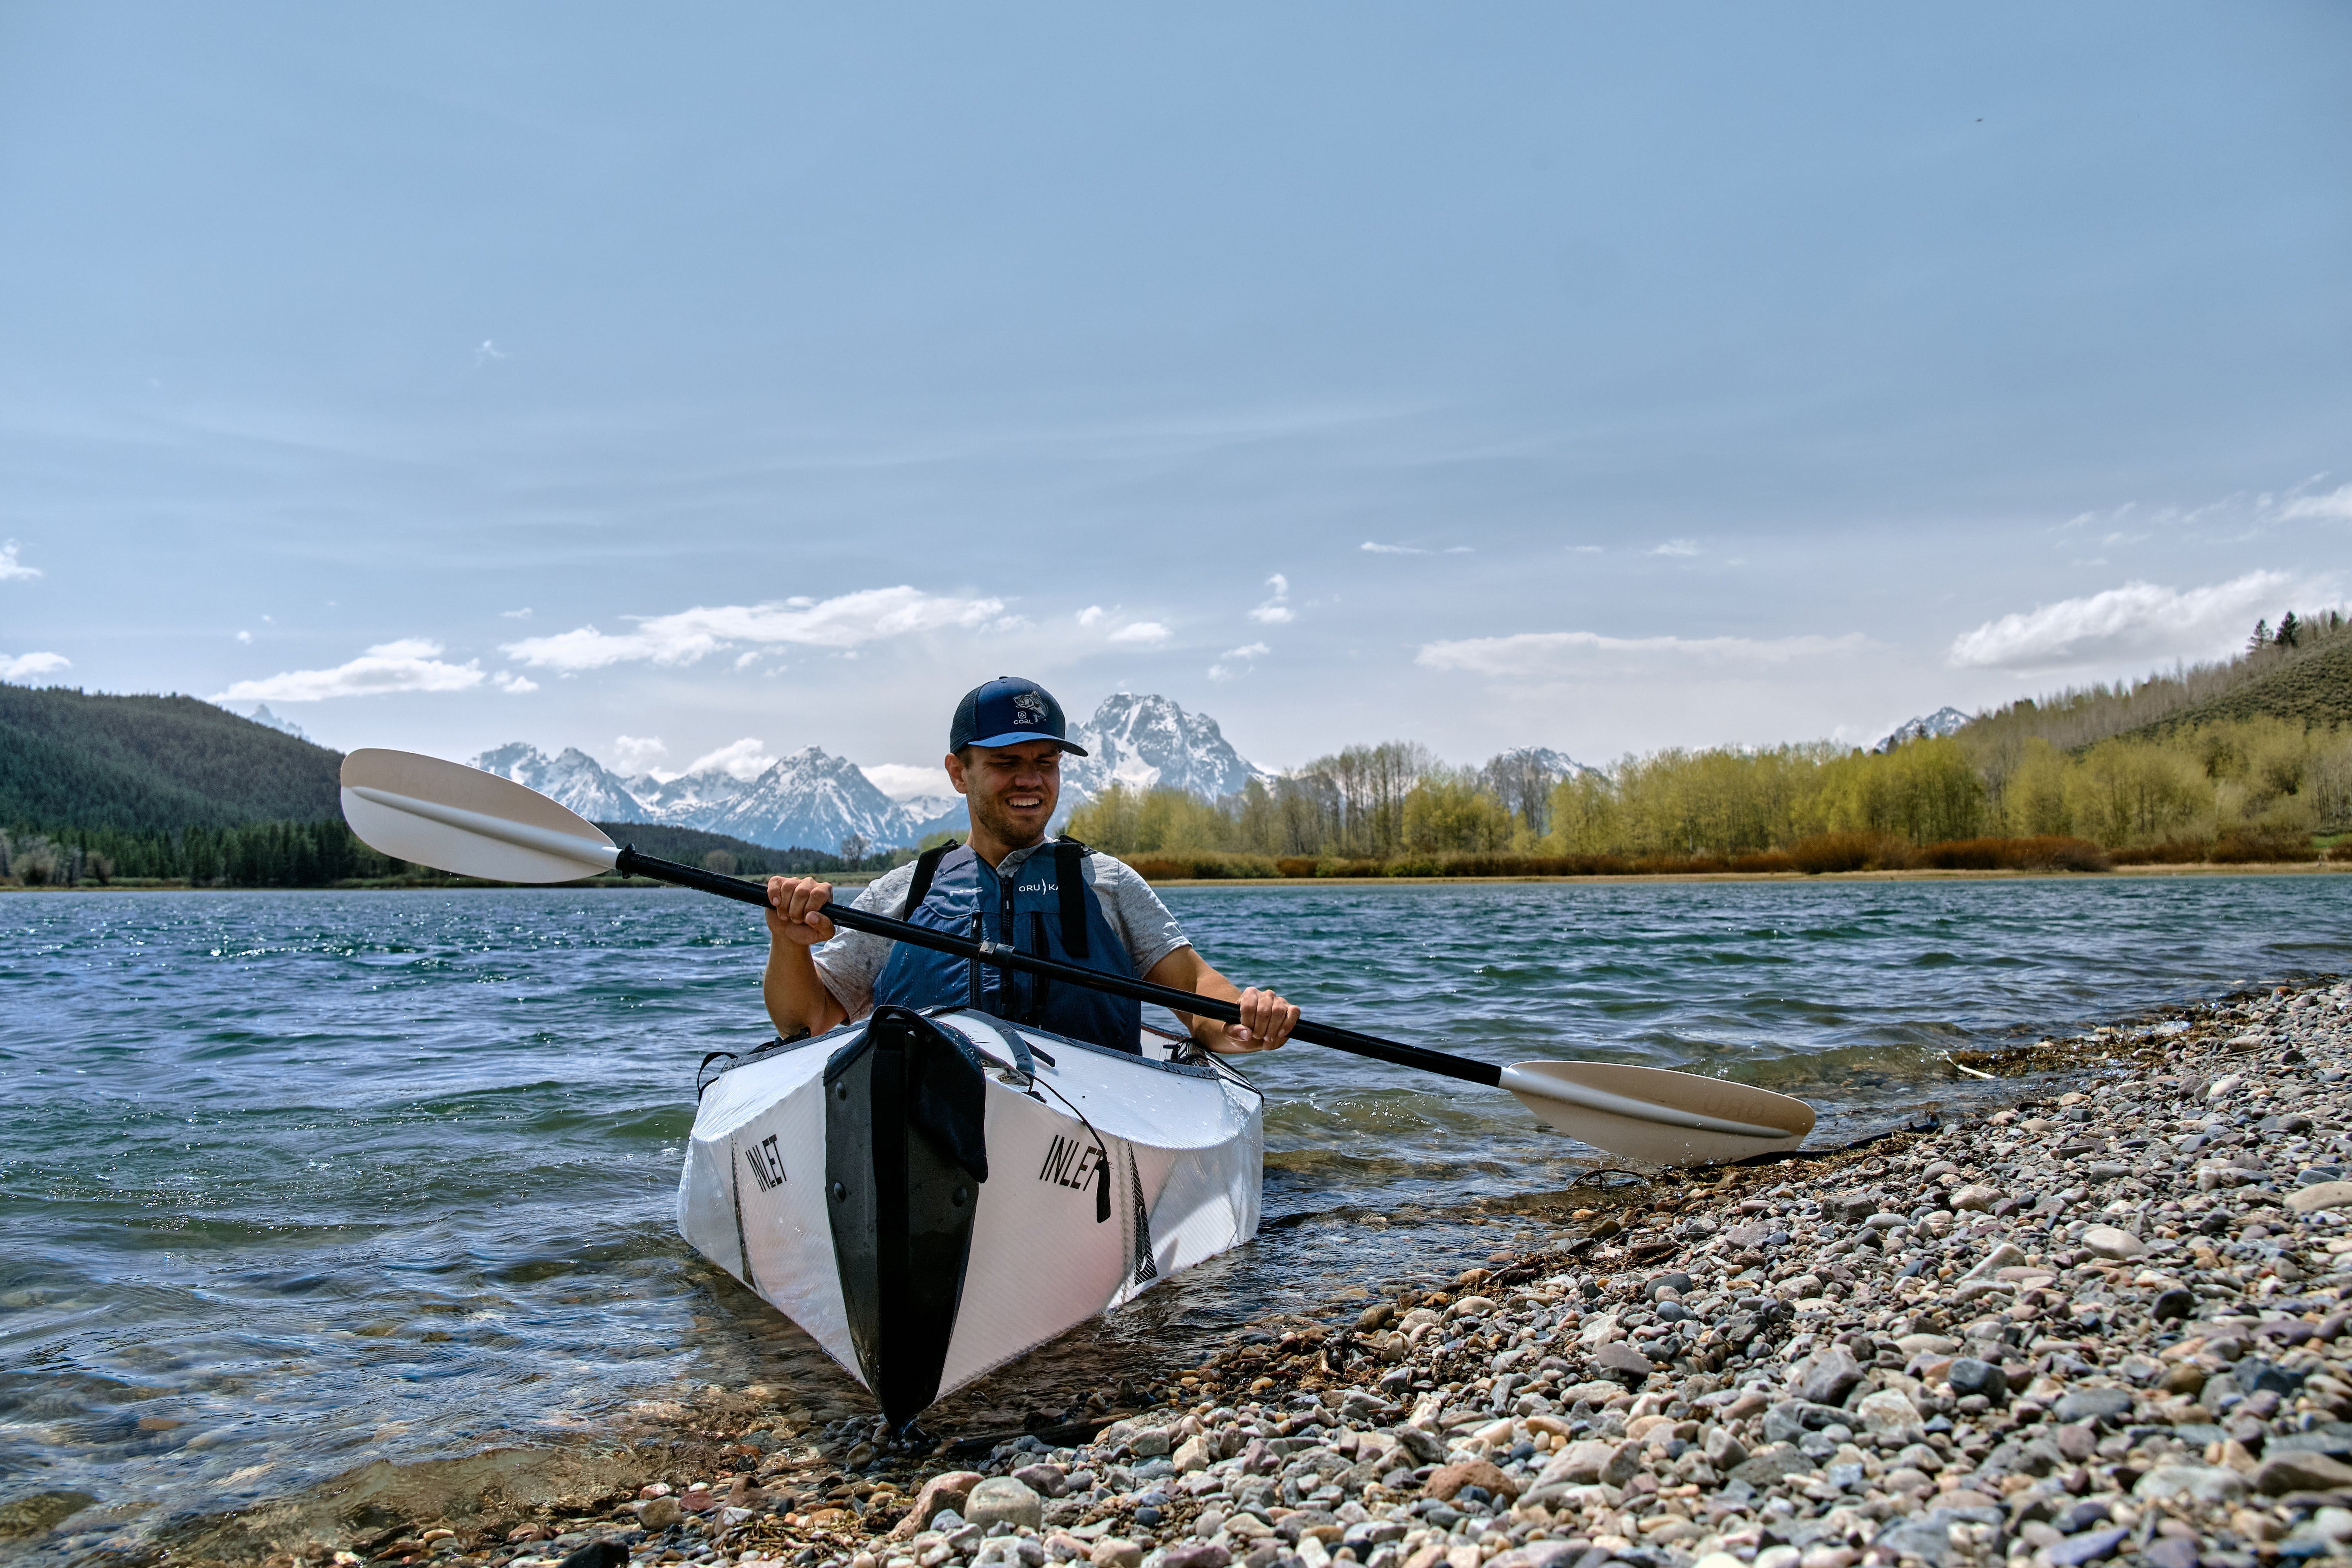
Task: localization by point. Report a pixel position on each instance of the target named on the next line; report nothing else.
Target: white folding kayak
(930, 1195)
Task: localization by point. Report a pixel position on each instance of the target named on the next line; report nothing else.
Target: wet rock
(40, 1511)
(661, 1513)
(597, 1554)
(1003, 1499)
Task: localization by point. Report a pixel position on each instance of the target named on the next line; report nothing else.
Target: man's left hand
(1267, 1022)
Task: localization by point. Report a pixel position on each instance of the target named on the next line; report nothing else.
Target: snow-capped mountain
(813, 800)
(1146, 741)
(1558, 765)
(571, 779)
(1934, 726)
(689, 796)
(262, 715)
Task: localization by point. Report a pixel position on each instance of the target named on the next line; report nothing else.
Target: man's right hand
(793, 906)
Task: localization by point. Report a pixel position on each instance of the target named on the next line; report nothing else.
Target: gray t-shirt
(853, 960)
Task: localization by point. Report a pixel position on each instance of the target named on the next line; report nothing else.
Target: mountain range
(1943, 721)
(812, 799)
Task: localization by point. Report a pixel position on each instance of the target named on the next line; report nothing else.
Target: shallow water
(293, 1181)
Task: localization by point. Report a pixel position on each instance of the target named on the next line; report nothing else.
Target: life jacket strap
(1069, 865)
(926, 866)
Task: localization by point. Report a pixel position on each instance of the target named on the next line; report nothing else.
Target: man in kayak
(1057, 900)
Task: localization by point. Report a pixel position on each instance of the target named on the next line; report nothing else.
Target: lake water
(289, 1182)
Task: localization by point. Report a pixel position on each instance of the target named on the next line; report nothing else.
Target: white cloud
(843, 622)
(1142, 633)
(635, 754)
(245, 637)
(1584, 549)
(908, 781)
(1276, 611)
(1410, 549)
(486, 352)
(410, 664)
(24, 664)
(522, 615)
(2335, 504)
(1549, 653)
(515, 685)
(1091, 614)
(1246, 652)
(745, 759)
(2137, 621)
(11, 568)
(1677, 547)
(745, 660)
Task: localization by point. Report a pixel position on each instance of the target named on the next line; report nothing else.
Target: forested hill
(87, 760)
(2316, 690)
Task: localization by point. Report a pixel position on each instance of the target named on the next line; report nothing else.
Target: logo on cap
(1028, 708)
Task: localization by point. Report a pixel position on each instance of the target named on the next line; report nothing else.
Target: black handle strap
(631, 864)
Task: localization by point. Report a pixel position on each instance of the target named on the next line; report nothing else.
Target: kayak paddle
(475, 824)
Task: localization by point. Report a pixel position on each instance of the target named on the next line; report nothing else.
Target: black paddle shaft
(631, 864)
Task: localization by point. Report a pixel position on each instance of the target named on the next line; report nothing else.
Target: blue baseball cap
(1007, 711)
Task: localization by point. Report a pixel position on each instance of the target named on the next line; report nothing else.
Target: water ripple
(298, 1180)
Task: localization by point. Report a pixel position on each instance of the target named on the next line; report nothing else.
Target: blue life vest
(1047, 908)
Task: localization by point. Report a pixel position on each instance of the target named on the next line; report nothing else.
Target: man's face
(1011, 790)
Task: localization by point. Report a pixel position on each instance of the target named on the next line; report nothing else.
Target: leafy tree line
(2281, 659)
(2264, 779)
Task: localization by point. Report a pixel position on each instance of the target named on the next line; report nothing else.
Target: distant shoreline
(1303, 884)
(2256, 869)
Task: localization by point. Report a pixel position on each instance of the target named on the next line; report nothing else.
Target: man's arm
(1266, 1019)
(796, 997)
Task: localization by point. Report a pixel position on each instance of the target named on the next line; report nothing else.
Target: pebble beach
(2106, 1324)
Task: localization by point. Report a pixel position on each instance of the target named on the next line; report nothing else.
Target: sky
(725, 380)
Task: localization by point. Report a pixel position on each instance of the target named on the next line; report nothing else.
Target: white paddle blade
(1658, 1117)
(461, 819)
